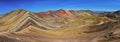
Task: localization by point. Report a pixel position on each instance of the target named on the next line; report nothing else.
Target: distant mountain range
(60, 26)
(55, 12)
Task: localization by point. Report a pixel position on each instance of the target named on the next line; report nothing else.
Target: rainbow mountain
(58, 26)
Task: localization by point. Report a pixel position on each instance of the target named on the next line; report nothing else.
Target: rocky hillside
(59, 26)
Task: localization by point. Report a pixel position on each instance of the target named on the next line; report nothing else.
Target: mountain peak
(21, 10)
(117, 12)
(61, 10)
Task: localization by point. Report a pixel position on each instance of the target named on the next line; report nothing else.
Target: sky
(45, 5)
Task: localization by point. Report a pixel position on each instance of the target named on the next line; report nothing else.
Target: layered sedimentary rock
(58, 26)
